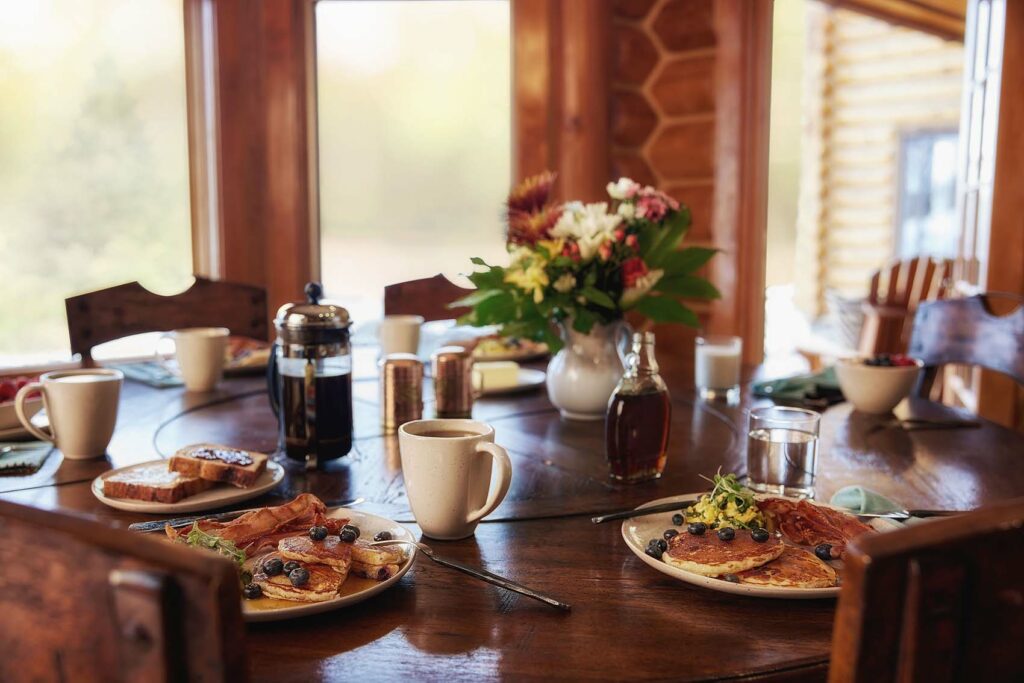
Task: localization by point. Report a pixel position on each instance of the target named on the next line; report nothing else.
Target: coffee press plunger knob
(314, 292)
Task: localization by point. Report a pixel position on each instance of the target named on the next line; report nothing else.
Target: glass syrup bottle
(639, 414)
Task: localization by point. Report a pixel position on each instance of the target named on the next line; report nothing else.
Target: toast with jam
(214, 462)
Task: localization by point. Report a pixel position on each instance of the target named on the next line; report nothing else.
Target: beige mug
(81, 406)
(200, 355)
(447, 466)
(399, 334)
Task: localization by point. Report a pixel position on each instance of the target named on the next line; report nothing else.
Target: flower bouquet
(583, 267)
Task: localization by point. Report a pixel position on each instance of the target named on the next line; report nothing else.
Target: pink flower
(620, 234)
(632, 242)
(654, 205)
(632, 270)
(604, 251)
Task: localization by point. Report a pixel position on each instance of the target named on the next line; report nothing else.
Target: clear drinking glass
(782, 450)
(717, 368)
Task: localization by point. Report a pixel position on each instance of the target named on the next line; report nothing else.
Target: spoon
(482, 574)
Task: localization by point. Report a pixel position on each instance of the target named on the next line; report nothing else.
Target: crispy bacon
(805, 523)
(260, 530)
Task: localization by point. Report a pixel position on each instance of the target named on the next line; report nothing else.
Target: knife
(179, 522)
(651, 510)
(907, 514)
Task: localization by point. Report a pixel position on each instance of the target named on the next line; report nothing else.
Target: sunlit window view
(415, 137)
(93, 160)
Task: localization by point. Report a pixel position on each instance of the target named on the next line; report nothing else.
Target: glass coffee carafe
(309, 379)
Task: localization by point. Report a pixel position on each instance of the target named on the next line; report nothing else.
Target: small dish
(528, 379)
(875, 389)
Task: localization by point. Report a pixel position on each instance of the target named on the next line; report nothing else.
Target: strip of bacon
(805, 523)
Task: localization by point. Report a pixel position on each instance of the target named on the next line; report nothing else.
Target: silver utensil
(651, 510)
(907, 514)
(914, 424)
(180, 522)
(25, 447)
(482, 574)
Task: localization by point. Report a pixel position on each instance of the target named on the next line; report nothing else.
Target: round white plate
(528, 379)
(639, 530)
(219, 496)
(355, 589)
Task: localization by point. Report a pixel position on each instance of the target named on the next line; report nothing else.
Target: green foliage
(663, 309)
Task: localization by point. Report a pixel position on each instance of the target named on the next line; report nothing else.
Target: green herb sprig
(198, 538)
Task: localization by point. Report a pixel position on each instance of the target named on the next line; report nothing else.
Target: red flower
(532, 194)
(632, 270)
(632, 242)
(528, 228)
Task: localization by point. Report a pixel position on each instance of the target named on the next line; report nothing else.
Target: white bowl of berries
(877, 384)
(8, 390)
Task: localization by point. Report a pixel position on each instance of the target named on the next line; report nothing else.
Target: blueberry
(383, 536)
(347, 535)
(298, 577)
(731, 578)
(823, 551)
(697, 528)
(726, 533)
(273, 566)
(669, 533)
(760, 535)
(252, 591)
(318, 533)
(677, 519)
(658, 543)
(353, 529)
(290, 566)
(654, 551)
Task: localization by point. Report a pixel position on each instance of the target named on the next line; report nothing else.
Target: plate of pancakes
(340, 574)
(772, 568)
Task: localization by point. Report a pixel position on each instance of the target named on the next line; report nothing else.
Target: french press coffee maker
(309, 378)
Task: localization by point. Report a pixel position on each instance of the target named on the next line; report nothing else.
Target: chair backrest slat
(428, 297)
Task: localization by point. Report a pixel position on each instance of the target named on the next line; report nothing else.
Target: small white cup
(399, 334)
(82, 409)
(448, 478)
(200, 354)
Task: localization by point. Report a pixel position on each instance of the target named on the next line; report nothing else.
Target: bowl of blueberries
(877, 384)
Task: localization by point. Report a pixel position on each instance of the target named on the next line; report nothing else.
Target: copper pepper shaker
(401, 390)
(452, 368)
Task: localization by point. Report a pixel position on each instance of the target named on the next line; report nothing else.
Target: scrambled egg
(710, 511)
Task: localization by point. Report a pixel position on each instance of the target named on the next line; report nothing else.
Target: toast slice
(213, 462)
(154, 484)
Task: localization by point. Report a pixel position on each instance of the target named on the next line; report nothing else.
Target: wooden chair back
(84, 602)
(896, 291)
(967, 332)
(938, 601)
(428, 297)
(128, 309)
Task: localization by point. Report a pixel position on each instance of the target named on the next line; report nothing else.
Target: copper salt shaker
(452, 368)
(401, 390)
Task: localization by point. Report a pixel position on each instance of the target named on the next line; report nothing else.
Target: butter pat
(494, 375)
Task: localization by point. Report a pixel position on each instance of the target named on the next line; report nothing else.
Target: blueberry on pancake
(709, 555)
(323, 582)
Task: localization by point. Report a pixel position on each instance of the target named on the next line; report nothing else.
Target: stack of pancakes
(771, 563)
(329, 563)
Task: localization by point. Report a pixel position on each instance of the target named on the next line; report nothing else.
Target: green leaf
(688, 286)
(474, 298)
(479, 261)
(495, 310)
(488, 279)
(668, 239)
(594, 295)
(687, 260)
(583, 320)
(663, 309)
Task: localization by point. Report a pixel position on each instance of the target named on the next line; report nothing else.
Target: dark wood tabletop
(628, 621)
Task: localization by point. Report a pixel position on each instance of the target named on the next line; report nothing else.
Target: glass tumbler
(717, 368)
(782, 450)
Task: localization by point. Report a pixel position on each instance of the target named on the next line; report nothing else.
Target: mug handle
(19, 410)
(163, 362)
(497, 494)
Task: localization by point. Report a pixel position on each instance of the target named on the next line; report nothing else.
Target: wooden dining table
(627, 621)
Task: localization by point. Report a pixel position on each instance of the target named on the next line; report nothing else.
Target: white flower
(565, 283)
(643, 285)
(624, 188)
(589, 225)
(627, 210)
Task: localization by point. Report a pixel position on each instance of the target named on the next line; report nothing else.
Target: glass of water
(782, 450)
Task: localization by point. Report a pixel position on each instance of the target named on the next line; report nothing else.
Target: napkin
(25, 458)
(821, 388)
(150, 373)
(861, 500)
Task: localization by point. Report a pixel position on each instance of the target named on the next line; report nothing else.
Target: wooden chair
(965, 331)
(84, 602)
(938, 601)
(428, 297)
(896, 292)
(128, 309)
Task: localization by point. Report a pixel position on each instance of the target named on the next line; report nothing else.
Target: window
(93, 160)
(414, 127)
(928, 222)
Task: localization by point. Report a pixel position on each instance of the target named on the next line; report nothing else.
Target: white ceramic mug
(200, 354)
(448, 478)
(81, 406)
(399, 334)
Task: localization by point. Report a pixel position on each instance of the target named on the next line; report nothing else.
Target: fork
(481, 574)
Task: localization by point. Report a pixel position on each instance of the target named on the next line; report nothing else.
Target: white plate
(9, 419)
(361, 589)
(639, 530)
(219, 496)
(528, 379)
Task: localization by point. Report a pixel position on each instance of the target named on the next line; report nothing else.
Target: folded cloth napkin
(24, 457)
(860, 500)
(821, 388)
(150, 373)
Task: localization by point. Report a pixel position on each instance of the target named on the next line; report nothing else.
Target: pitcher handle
(623, 340)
